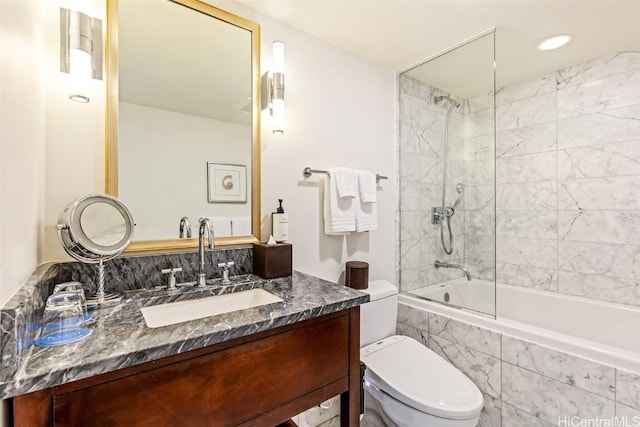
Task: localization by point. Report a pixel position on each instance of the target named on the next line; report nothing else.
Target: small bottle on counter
(280, 224)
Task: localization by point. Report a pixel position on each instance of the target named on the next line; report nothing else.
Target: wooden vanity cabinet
(259, 380)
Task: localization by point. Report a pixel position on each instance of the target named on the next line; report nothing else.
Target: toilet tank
(378, 317)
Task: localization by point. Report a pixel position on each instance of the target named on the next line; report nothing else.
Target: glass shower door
(447, 177)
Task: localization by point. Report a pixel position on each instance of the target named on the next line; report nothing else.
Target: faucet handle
(225, 272)
(171, 284)
(171, 270)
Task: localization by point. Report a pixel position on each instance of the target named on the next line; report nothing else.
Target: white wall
(172, 183)
(74, 158)
(340, 111)
(21, 144)
(22, 140)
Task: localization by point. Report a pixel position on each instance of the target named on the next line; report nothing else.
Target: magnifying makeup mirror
(94, 229)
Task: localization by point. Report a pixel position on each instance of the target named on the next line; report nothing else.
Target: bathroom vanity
(255, 367)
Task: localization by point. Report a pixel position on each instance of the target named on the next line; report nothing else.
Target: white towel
(367, 186)
(346, 181)
(221, 226)
(339, 213)
(241, 225)
(366, 215)
(366, 206)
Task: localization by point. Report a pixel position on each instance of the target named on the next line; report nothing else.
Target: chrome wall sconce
(80, 50)
(272, 84)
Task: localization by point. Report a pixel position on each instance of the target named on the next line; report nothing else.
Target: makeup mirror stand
(88, 235)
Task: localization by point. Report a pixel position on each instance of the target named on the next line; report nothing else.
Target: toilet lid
(411, 373)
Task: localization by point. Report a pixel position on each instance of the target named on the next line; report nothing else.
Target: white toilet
(406, 384)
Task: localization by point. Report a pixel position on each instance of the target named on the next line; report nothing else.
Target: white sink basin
(182, 311)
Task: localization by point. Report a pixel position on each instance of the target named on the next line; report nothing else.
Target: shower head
(440, 98)
(460, 190)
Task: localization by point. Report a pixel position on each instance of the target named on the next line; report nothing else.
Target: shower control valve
(437, 215)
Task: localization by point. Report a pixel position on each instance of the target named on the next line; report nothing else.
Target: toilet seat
(416, 376)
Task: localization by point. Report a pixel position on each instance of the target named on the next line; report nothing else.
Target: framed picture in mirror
(226, 183)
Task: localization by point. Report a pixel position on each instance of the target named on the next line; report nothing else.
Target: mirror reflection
(103, 224)
(186, 88)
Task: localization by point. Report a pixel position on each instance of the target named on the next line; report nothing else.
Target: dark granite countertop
(120, 337)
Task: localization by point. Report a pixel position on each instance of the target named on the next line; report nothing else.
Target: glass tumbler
(68, 286)
(64, 310)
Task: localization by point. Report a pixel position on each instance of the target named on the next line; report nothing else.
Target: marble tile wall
(568, 180)
(479, 201)
(526, 184)
(524, 384)
(471, 162)
(144, 271)
(421, 151)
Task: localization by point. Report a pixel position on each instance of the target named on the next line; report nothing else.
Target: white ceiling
(174, 58)
(403, 33)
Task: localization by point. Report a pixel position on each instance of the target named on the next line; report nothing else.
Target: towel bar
(307, 172)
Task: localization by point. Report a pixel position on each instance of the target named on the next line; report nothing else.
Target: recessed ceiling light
(555, 42)
(79, 98)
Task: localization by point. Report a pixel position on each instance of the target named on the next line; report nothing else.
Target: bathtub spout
(439, 264)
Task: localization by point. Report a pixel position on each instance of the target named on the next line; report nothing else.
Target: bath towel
(339, 212)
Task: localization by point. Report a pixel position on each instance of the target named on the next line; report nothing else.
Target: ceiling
(177, 59)
(403, 33)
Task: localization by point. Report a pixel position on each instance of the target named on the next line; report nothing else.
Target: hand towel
(346, 181)
(366, 215)
(241, 225)
(221, 226)
(366, 206)
(367, 186)
(339, 213)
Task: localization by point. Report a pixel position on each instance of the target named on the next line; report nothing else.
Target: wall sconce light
(273, 88)
(80, 50)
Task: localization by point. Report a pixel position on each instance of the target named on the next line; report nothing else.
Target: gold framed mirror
(183, 121)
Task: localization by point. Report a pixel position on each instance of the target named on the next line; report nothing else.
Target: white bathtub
(604, 332)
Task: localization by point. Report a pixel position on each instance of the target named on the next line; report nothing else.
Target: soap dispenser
(280, 224)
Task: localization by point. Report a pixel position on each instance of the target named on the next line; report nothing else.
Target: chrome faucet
(439, 264)
(205, 224)
(225, 271)
(185, 226)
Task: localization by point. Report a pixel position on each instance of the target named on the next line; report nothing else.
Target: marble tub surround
(567, 182)
(568, 179)
(120, 337)
(471, 155)
(420, 157)
(131, 272)
(524, 383)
